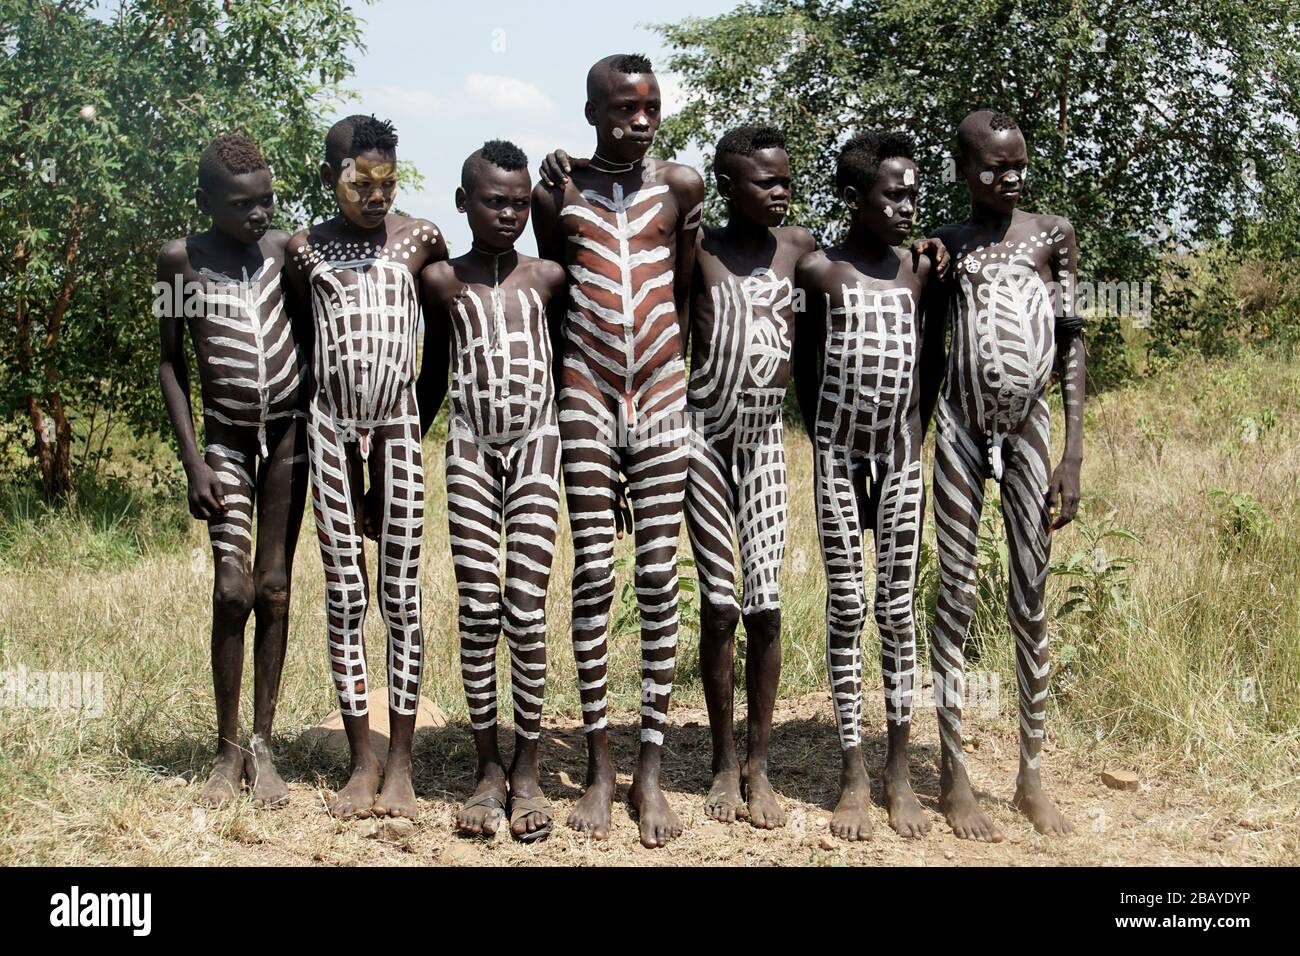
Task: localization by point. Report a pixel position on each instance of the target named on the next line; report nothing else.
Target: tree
(103, 116)
(1144, 124)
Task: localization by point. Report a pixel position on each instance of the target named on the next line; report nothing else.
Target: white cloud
(505, 94)
(398, 103)
(672, 96)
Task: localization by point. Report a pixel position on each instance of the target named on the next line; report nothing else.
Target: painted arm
(1063, 491)
(297, 303)
(205, 492)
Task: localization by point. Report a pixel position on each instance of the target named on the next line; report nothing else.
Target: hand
(556, 167)
(622, 510)
(937, 252)
(371, 506)
(1063, 494)
(205, 495)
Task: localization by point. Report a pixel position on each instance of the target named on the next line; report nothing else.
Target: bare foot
(724, 800)
(905, 813)
(224, 781)
(486, 807)
(1042, 813)
(764, 812)
(398, 796)
(358, 795)
(590, 814)
(851, 821)
(270, 792)
(658, 822)
(962, 810)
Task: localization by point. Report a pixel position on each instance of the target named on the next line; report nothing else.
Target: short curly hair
(860, 159)
(745, 141)
(228, 155)
(496, 152)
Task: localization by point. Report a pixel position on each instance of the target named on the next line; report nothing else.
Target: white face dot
(889, 212)
(618, 133)
(909, 177)
(986, 177)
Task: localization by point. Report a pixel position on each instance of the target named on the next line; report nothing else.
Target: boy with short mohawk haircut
(357, 301)
(250, 372)
(503, 469)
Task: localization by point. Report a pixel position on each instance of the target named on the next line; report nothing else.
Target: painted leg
(1024, 514)
(281, 496)
(591, 474)
(959, 475)
(709, 522)
(840, 532)
(336, 496)
(898, 542)
(474, 515)
(761, 530)
(656, 473)
(532, 515)
(231, 458)
(399, 588)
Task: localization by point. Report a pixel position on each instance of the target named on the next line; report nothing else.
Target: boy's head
(623, 104)
(360, 168)
(876, 178)
(992, 158)
(235, 188)
(753, 173)
(495, 189)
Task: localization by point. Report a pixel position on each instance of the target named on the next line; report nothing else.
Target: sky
(508, 70)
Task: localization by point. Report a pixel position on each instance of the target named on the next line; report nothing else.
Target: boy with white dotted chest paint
(1013, 325)
(353, 280)
(857, 356)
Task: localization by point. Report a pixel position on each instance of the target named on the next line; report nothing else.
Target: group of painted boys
(575, 363)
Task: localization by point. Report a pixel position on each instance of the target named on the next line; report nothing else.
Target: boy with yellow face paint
(355, 302)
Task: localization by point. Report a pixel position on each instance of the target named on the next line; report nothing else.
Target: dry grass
(1159, 675)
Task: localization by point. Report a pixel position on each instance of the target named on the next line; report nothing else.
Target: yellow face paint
(366, 189)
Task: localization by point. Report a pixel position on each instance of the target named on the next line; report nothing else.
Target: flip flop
(489, 800)
(520, 807)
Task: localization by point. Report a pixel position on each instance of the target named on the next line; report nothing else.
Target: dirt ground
(1166, 821)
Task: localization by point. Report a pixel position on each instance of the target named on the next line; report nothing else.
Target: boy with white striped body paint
(489, 308)
(250, 373)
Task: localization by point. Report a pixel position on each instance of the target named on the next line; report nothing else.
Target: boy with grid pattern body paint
(354, 286)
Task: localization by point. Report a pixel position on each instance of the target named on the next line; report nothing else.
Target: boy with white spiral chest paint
(353, 279)
(1014, 324)
(858, 353)
(490, 308)
(251, 373)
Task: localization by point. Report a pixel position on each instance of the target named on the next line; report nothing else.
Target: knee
(894, 615)
(345, 598)
(271, 594)
(763, 627)
(846, 612)
(401, 602)
(718, 617)
(232, 596)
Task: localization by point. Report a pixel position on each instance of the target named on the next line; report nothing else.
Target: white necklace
(603, 165)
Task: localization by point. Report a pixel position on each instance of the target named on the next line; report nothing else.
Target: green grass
(1181, 648)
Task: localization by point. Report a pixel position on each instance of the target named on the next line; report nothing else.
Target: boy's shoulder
(683, 180)
(1048, 222)
(545, 271)
(797, 236)
(175, 253)
(813, 263)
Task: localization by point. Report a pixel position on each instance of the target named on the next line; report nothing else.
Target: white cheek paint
(986, 177)
(618, 133)
(889, 212)
(909, 177)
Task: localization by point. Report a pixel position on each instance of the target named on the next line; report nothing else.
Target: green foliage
(1151, 129)
(103, 115)
(1100, 578)
(1242, 519)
